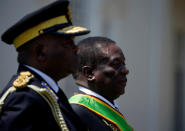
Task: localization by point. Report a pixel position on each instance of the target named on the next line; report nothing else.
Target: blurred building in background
(151, 34)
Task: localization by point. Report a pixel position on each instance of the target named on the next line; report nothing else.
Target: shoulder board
(23, 79)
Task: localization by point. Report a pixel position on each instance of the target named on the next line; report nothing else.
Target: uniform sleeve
(22, 111)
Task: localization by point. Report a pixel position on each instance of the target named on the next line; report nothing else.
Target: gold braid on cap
(22, 82)
(35, 31)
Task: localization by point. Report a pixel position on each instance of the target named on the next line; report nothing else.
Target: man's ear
(40, 51)
(87, 71)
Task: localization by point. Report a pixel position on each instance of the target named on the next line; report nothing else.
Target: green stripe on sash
(102, 109)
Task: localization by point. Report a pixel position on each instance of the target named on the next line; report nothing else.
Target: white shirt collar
(90, 92)
(48, 79)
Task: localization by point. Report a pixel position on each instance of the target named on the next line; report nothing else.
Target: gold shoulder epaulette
(23, 79)
(21, 82)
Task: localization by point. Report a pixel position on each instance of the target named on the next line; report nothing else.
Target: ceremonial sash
(102, 109)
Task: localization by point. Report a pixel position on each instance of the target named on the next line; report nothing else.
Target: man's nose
(124, 70)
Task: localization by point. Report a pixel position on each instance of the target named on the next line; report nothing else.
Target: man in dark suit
(32, 100)
(101, 78)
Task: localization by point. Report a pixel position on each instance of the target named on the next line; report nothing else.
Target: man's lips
(123, 82)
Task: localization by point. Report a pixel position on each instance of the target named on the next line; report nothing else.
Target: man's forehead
(111, 51)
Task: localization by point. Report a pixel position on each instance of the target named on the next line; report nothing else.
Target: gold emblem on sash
(113, 127)
(23, 79)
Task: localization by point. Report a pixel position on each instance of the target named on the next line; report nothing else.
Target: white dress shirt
(48, 79)
(92, 93)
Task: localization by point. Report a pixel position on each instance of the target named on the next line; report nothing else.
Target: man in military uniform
(101, 78)
(32, 100)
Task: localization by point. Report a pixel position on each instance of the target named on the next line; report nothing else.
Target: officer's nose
(75, 50)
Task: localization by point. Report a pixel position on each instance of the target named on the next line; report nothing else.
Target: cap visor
(72, 31)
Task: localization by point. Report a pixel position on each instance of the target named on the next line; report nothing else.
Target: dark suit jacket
(91, 119)
(26, 110)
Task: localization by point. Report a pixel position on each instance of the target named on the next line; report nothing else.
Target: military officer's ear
(87, 71)
(40, 51)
